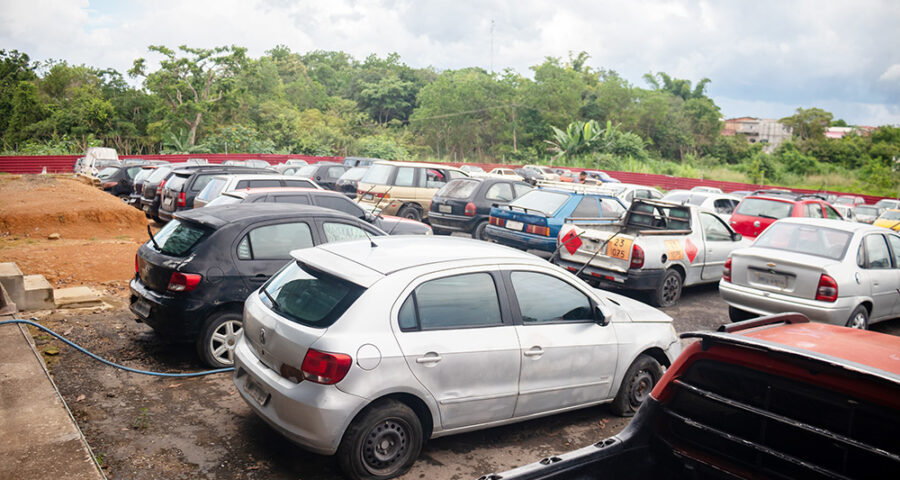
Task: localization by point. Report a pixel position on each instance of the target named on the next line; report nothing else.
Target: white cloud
(892, 74)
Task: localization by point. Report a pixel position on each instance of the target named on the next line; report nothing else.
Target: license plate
(256, 392)
(145, 208)
(513, 225)
(771, 280)
(445, 208)
(142, 308)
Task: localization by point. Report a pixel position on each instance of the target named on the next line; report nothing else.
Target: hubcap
(670, 289)
(859, 321)
(385, 445)
(223, 340)
(641, 387)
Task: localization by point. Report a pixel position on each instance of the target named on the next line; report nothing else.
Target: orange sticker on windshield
(674, 250)
(619, 247)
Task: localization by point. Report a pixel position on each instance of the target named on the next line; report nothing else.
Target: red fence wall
(66, 163)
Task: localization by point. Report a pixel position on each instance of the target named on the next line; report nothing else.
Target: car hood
(635, 310)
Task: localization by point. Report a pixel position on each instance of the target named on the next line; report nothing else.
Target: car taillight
(497, 221)
(183, 282)
(182, 199)
(827, 291)
(137, 266)
(325, 368)
(470, 210)
(160, 187)
(538, 230)
(726, 272)
(109, 184)
(637, 257)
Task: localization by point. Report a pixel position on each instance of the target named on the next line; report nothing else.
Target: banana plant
(578, 137)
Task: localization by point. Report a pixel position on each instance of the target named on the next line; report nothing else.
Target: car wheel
(738, 315)
(478, 233)
(859, 318)
(383, 442)
(637, 384)
(669, 290)
(410, 212)
(218, 337)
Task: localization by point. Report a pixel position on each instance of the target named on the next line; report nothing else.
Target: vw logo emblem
(262, 336)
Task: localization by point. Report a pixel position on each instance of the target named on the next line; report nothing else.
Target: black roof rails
(790, 194)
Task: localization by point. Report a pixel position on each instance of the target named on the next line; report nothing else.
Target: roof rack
(788, 193)
(578, 187)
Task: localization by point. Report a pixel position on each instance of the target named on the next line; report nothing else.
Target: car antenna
(383, 196)
(153, 239)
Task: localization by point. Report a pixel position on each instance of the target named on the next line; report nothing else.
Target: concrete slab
(76, 297)
(11, 278)
(38, 293)
(40, 438)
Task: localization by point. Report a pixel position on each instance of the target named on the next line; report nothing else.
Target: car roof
(192, 169)
(831, 223)
(258, 176)
(218, 215)
(246, 192)
(397, 163)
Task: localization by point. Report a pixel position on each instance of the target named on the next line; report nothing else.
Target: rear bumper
(521, 240)
(176, 316)
(762, 302)
(454, 223)
(643, 279)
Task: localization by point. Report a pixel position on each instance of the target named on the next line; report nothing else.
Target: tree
(676, 86)
(576, 139)
(808, 124)
(191, 84)
(15, 68)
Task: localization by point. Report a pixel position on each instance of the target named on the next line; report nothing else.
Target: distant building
(758, 130)
(841, 132)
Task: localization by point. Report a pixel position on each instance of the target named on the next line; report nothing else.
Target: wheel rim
(223, 340)
(671, 289)
(640, 388)
(386, 446)
(858, 321)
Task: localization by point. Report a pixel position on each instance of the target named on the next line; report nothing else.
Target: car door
(894, 242)
(879, 273)
(264, 248)
(718, 244)
(340, 203)
(456, 335)
(567, 358)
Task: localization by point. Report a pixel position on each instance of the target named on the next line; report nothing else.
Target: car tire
(738, 315)
(859, 319)
(478, 233)
(639, 380)
(218, 337)
(382, 442)
(410, 212)
(669, 290)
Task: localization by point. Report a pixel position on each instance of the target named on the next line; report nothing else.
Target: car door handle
(259, 278)
(429, 357)
(534, 352)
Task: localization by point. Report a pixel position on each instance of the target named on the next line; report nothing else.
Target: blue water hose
(112, 364)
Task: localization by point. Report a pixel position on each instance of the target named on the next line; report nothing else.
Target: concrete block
(76, 297)
(38, 293)
(11, 278)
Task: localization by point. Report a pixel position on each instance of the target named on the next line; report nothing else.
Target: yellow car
(889, 219)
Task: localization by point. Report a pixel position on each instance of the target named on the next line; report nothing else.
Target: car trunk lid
(169, 250)
(771, 270)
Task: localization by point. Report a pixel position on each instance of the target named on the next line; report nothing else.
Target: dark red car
(761, 208)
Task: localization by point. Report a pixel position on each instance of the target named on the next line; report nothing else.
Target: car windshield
(144, 173)
(177, 238)
(541, 201)
(378, 174)
(691, 198)
(107, 172)
(473, 169)
(761, 207)
(212, 189)
(890, 215)
(354, 173)
(459, 188)
(885, 203)
(866, 211)
(807, 239)
(158, 174)
(224, 200)
(309, 297)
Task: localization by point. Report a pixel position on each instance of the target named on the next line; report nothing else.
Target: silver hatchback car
(829, 270)
(367, 348)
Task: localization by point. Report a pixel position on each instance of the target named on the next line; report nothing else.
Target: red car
(761, 208)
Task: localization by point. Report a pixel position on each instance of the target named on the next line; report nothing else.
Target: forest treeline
(193, 100)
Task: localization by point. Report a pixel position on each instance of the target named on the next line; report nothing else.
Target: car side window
(522, 189)
(335, 172)
(339, 203)
(877, 254)
(405, 177)
(629, 196)
(546, 299)
(298, 183)
(434, 178)
(264, 183)
(587, 208)
(200, 182)
(273, 242)
(655, 195)
(460, 301)
(338, 232)
(295, 199)
(895, 246)
(832, 213)
(642, 194)
(713, 228)
(501, 192)
(813, 210)
(723, 206)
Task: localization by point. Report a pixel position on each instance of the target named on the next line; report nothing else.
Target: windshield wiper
(270, 297)
(767, 216)
(153, 239)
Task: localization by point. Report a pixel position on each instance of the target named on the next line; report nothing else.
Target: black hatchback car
(192, 277)
(183, 185)
(326, 174)
(464, 204)
(119, 180)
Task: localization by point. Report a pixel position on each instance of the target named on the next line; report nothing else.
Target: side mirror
(369, 217)
(602, 315)
(736, 237)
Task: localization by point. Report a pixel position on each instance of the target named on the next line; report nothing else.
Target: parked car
(137, 185)
(472, 170)
(297, 162)
(831, 271)
(603, 177)
(721, 203)
(741, 193)
(852, 200)
(365, 349)
(889, 219)
(235, 181)
(548, 172)
(567, 176)
(464, 205)
(846, 212)
(887, 203)
(119, 180)
(325, 174)
(253, 163)
(351, 162)
(757, 211)
(533, 221)
(506, 172)
(192, 277)
(183, 185)
(700, 188)
(866, 213)
(403, 188)
(348, 182)
(658, 247)
(151, 193)
(628, 192)
(530, 175)
(325, 199)
(776, 397)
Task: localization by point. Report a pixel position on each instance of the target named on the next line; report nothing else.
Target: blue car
(533, 221)
(602, 176)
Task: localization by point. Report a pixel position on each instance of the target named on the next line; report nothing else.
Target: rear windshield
(158, 174)
(378, 174)
(885, 203)
(354, 173)
(309, 297)
(890, 215)
(107, 172)
(811, 240)
(866, 210)
(177, 238)
(307, 171)
(540, 200)
(224, 200)
(212, 189)
(176, 183)
(761, 207)
(682, 197)
(458, 189)
(144, 173)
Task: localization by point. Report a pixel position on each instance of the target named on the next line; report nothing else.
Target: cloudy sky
(765, 58)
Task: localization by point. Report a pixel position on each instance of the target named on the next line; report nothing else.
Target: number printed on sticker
(619, 247)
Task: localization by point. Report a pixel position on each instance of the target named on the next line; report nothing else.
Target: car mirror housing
(737, 237)
(602, 315)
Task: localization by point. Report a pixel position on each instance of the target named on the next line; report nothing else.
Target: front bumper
(643, 279)
(177, 316)
(312, 415)
(761, 302)
(454, 223)
(521, 240)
